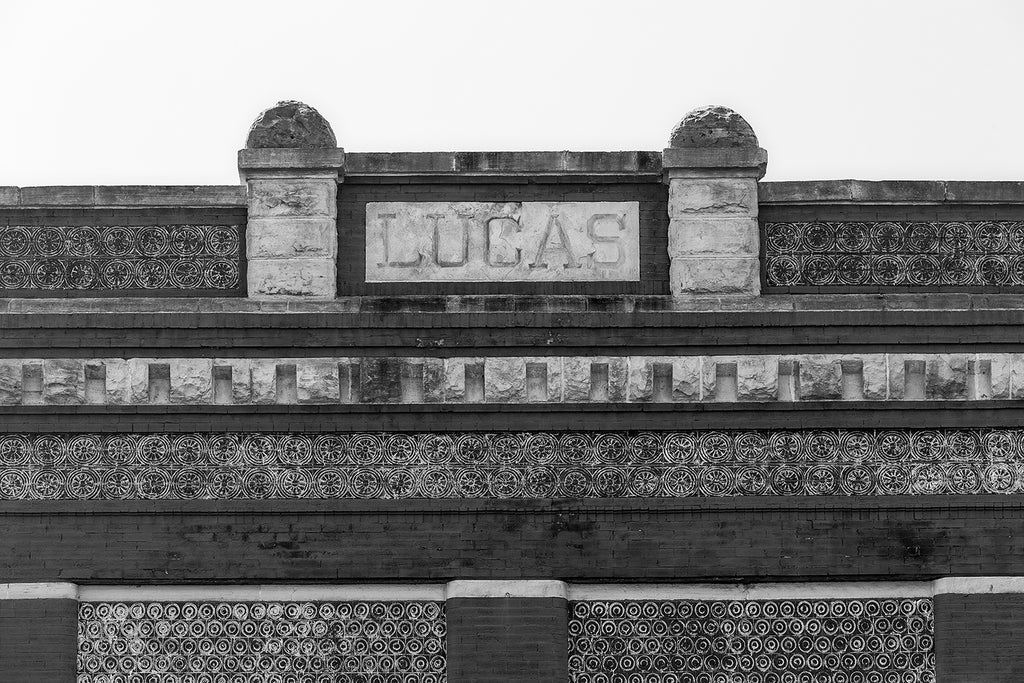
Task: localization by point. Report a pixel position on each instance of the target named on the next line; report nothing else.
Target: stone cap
(715, 141)
(712, 126)
(291, 161)
(291, 125)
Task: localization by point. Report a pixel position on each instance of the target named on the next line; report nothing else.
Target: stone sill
(123, 196)
(383, 307)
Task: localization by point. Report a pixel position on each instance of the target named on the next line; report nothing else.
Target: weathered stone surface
(381, 380)
(481, 241)
(10, 382)
(757, 377)
(946, 377)
(714, 275)
(686, 374)
(292, 238)
(292, 277)
(191, 380)
(713, 126)
(291, 124)
(433, 380)
(876, 377)
(1002, 368)
(316, 380)
(693, 197)
(241, 378)
(505, 380)
(63, 381)
(263, 378)
(820, 378)
(119, 381)
(738, 236)
(274, 197)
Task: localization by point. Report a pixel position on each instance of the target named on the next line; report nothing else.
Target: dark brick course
(977, 638)
(38, 640)
(701, 539)
(507, 640)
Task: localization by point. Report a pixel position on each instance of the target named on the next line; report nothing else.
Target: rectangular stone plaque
(510, 242)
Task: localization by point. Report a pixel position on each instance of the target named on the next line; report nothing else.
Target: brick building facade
(615, 417)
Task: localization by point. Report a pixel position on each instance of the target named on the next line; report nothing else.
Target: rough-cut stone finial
(713, 126)
(291, 124)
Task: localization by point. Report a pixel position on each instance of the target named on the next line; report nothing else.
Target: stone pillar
(292, 167)
(712, 168)
(38, 632)
(507, 631)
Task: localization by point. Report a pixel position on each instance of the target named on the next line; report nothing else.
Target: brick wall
(511, 640)
(827, 538)
(977, 638)
(38, 640)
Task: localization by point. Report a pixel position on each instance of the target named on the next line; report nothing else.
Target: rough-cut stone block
(317, 380)
(291, 238)
(291, 124)
(1002, 368)
(191, 381)
(820, 378)
(708, 275)
(685, 385)
(10, 382)
(118, 380)
(739, 236)
(505, 380)
(689, 197)
(292, 277)
(576, 378)
(263, 378)
(946, 377)
(757, 377)
(483, 241)
(433, 380)
(269, 197)
(554, 376)
(712, 126)
(876, 377)
(455, 378)
(64, 381)
(381, 380)
(241, 378)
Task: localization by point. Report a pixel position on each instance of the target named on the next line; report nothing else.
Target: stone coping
(542, 588)
(497, 164)
(383, 307)
(891, 192)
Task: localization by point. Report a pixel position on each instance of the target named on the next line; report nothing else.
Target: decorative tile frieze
(261, 642)
(123, 258)
(374, 465)
(886, 640)
(899, 254)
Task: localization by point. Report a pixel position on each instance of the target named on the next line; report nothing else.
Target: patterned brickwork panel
(894, 254)
(512, 465)
(755, 641)
(261, 642)
(139, 259)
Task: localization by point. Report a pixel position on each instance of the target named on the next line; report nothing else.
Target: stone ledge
(123, 196)
(891, 191)
(506, 589)
(502, 163)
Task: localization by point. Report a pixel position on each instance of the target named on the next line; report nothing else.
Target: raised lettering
(599, 240)
(500, 250)
(554, 243)
(386, 219)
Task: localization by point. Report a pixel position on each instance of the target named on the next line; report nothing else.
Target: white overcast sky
(154, 93)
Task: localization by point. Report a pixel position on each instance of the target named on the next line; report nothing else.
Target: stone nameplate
(511, 241)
